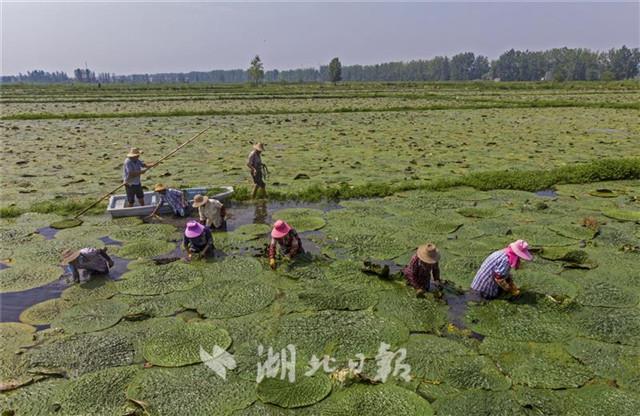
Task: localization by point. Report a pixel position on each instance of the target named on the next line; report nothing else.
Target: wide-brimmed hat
(200, 200)
(259, 147)
(521, 249)
(69, 255)
(159, 187)
(428, 253)
(134, 151)
(194, 229)
(280, 229)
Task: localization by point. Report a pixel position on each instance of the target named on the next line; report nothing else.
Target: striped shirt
(496, 264)
(173, 198)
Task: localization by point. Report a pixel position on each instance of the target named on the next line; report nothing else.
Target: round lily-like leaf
(180, 344)
(622, 214)
(66, 223)
(90, 316)
(159, 232)
(13, 366)
(478, 212)
(23, 276)
(382, 399)
(98, 287)
(44, 312)
(418, 314)
(610, 324)
(576, 232)
(302, 219)
(80, 354)
(144, 248)
(479, 403)
(37, 399)
(155, 280)
(192, 390)
(227, 299)
(252, 231)
(99, 393)
(305, 391)
(607, 294)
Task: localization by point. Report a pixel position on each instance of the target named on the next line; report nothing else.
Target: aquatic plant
(382, 399)
(155, 280)
(306, 391)
(302, 219)
(89, 317)
(44, 312)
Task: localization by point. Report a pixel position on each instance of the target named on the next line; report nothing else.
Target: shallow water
(47, 232)
(13, 303)
(457, 310)
(549, 193)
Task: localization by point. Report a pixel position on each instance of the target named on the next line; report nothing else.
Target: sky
(146, 37)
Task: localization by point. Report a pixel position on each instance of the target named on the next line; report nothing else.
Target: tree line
(559, 64)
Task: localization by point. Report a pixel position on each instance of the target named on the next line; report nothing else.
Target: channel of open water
(13, 303)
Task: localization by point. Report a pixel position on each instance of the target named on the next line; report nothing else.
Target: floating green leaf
(180, 344)
(306, 390)
(23, 276)
(44, 312)
(302, 219)
(155, 280)
(610, 324)
(192, 390)
(418, 314)
(144, 248)
(622, 214)
(90, 316)
(479, 403)
(66, 223)
(98, 287)
(383, 399)
(37, 399)
(479, 212)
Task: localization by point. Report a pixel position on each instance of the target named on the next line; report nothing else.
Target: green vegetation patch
(90, 316)
(13, 366)
(162, 232)
(180, 344)
(98, 393)
(230, 298)
(193, 390)
(609, 324)
(609, 294)
(544, 321)
(325, 296)
(37, 399)
(23, 276)
(98, 287)
(601, 399)
(545, 366)
(252, 231)
(155, 280)
(479, 403)
(68, 223)
(478, 212)
(340, 334)
(577, 232)
(44, 312)
(152, 306)
(612, 361)
(417, 314)
(302, 219)
(144, 248)
(622, 214)
(76, 355)
(383, 399)
(306, 391)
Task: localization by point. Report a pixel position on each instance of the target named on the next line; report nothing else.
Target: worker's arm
(74, 272)
(502, 282)
(436, 272)
(272, 254)
(295, 247)
(158, 205)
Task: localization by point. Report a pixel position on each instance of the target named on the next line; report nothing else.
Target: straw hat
(69, 255)
(159, 187)
(521, 249)
(428, 253)
(194, 229)
(200, 200)
(134, 151)
(280, 229)
(259, 147)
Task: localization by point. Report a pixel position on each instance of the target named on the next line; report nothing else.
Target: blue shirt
(173, 198)
(132, 165)
(496, 264)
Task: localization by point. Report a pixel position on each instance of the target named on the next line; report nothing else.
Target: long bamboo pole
(150, 167)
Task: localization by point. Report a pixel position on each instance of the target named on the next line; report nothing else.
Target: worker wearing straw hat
(211, 211)
(174, 198)
(132, 168)
(87, 260)
(494, 277)
(287, 238)
(423, 266)
(197, 240)
(254, 163)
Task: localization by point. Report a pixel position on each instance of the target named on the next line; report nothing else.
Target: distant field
(354, 134)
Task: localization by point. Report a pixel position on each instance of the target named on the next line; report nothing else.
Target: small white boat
(117, 203)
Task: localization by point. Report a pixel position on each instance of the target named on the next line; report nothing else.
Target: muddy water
(13, 303)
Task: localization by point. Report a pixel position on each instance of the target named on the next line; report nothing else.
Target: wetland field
(363, 172)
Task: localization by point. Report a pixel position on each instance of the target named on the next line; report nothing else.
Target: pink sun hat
(194, 229)
(280, 229)
(521, 249)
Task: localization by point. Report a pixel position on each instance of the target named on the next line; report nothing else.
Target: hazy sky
(138, 37)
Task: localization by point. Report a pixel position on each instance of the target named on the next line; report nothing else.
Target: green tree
(335, 70)
(256, 70)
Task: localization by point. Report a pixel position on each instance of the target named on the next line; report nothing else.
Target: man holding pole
(131, 171)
